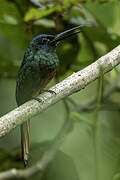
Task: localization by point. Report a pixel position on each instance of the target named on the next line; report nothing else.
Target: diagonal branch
(70, 85)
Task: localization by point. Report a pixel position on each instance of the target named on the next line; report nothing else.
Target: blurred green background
(91, 149)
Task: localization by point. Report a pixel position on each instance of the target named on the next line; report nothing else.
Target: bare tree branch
(70, 85)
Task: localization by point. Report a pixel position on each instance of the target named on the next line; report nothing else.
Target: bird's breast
(34, 75)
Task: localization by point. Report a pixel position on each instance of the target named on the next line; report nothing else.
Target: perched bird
(38, 67)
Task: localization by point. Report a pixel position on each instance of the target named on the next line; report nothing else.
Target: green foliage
(91, 146)
(6, 158)
(37, 14)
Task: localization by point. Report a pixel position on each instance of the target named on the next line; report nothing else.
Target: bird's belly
(44, 81)
(32, 82)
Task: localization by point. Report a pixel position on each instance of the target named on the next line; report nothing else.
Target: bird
(40, 64)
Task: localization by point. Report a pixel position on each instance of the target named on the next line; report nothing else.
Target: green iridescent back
(39, 63)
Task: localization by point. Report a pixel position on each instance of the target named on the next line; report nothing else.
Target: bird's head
(46, 41)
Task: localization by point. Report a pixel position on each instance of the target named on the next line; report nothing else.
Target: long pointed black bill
(68, 33)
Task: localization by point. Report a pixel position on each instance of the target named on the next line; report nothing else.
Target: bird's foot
(42, 91)
(37, 99)
(46, 90)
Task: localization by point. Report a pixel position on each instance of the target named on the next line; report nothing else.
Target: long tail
(25, 133)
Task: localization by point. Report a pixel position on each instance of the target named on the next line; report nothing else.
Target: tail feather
(25, 133)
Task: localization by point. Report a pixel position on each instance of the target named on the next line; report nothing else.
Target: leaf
(34, 13)
(9, 61)
(12, 25)
(45, 22)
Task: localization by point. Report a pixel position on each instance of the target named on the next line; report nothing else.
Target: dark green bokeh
(82, 155)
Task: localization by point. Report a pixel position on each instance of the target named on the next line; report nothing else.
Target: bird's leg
(35, 94)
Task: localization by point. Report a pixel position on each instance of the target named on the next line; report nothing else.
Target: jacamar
(38, 67)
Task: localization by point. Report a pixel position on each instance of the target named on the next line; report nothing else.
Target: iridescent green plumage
(39, 66)
(39, 63)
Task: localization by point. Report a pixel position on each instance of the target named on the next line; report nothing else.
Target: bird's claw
(44, 90)
(50, 91)
(37, 99)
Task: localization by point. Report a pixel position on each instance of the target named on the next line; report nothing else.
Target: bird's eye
(42, 41)
(45, 40)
